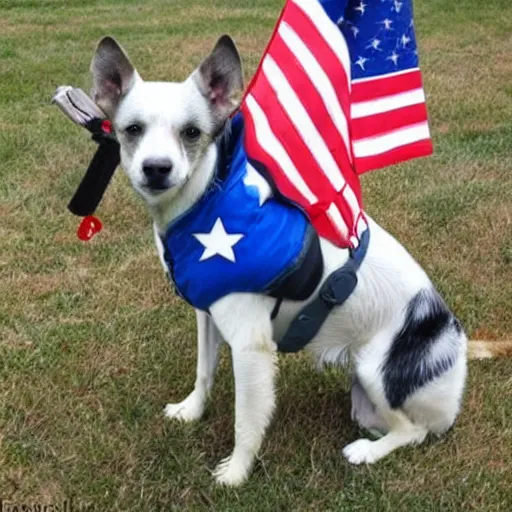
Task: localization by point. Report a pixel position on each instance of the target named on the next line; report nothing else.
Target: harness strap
(277, 307)
(336, 289)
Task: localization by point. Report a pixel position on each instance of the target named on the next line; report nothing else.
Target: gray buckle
(328, 296)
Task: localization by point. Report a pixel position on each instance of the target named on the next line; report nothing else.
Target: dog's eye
(191, 132)
(134, 130)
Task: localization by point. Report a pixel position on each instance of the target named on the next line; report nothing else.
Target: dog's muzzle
(157, 172)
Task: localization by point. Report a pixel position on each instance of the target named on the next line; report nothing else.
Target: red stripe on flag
(395, 156)
(380, 87)
(379, 124)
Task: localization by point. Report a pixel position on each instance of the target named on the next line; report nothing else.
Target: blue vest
(239, 237)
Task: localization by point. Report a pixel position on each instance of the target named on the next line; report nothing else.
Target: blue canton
(237, 237)
(379, 34)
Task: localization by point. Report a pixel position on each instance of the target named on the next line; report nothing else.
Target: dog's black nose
(156, 168)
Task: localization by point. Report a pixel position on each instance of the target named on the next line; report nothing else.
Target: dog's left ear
(220, 78)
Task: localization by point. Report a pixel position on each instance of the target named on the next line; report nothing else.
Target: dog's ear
(113, 74)
(220, 78)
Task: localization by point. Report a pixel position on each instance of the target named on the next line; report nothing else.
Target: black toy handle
(97, 177)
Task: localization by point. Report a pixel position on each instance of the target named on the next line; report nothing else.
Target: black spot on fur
(407, 366)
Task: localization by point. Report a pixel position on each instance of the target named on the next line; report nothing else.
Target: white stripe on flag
(387, 75)
(302, 122)
(387, 103)
(271, 145)
(330, 33)
(337, 221)
(352, 202)
(319, 79)
(377, 145)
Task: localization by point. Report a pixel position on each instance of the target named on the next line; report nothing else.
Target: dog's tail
(478, 349)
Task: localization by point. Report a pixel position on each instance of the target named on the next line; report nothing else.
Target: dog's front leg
(249, 334)
(207, 347)
(254, 371)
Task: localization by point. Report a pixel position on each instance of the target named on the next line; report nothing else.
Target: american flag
(338, 92)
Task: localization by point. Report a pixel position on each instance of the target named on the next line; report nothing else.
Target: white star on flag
(361, 61)
(254, 179)
(217, 241)
(361, 8)
(375, 43)
(393, 57)
(387, 23)
(405, 40)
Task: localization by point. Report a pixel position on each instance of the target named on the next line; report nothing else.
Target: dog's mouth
(156, 188)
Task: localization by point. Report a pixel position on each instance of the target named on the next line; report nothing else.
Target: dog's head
(165, 129)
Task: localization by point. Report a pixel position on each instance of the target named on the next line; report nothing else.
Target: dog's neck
(186, 196)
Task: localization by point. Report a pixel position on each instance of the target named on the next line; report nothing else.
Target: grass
(93, 342)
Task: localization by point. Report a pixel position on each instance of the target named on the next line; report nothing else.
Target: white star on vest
(217, 241)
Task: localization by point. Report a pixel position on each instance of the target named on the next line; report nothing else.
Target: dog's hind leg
(208, 339)
(401, 433)
(364, 412)
(400, 429)
(414, 374)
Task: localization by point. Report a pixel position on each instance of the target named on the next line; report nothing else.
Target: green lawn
(93, 343)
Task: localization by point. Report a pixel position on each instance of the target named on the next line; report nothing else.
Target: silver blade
(77, 105)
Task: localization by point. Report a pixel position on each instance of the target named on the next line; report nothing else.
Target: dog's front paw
(360, 452)
(233, 470)
(189, 410)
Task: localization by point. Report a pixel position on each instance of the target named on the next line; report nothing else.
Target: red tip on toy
(89, 227)
(106, 126)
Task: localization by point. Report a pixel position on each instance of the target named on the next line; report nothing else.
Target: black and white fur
(407, 350)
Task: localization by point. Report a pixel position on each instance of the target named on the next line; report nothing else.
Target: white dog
(407, 349)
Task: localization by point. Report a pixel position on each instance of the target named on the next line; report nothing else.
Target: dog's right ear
(113, 74)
